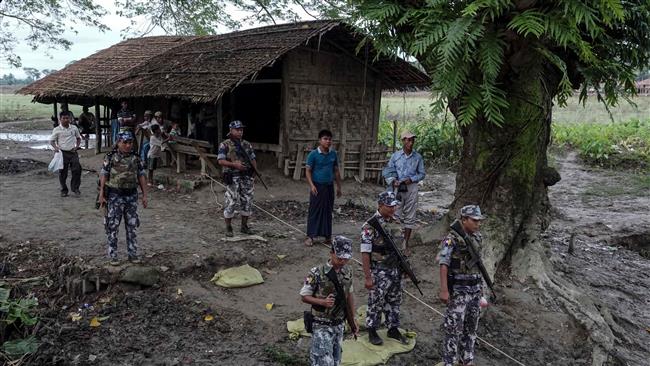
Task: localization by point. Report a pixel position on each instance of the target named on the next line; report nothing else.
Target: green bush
(439, 142)
(17, 317)
(624, 144)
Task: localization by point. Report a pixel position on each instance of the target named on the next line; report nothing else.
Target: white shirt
(65, 138)
(155, 146)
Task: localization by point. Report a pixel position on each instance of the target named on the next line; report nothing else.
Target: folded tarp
(242, 276)
(361, 352)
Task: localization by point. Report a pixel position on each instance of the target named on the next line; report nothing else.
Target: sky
(86, 42)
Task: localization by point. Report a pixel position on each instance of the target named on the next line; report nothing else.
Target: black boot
(244, 226)
(395, 334)
(229, 231)
(374, 337)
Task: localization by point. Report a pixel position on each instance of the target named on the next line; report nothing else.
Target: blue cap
(388, 198)
(472, 211)
(125, 136)
(342, 247)
(236, 124)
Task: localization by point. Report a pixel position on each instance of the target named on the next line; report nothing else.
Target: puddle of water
(38, 136)
(25, 137)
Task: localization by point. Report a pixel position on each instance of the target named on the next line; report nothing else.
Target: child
(175, 131)
(155, 150)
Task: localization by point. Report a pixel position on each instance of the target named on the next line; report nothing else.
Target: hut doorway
(258, 106)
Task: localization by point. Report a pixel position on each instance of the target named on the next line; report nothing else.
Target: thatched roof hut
(200, 69)
(286, 82)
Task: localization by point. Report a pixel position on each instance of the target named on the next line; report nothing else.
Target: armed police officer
(330, 308)
(237, 159)
(120, 177)
(383, 275)
(461, 287)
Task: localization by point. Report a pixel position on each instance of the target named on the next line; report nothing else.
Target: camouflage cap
(472, 211)
(158, 114)
(236, 124)
(148, 113)
(342, 247)
(387, 198)
(125, 136)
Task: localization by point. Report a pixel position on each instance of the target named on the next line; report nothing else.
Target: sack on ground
(242, 276)
(57, 162)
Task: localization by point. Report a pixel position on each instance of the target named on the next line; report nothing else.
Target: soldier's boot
(229, 233)
(244, 226)
(395, 334)
(374, 337)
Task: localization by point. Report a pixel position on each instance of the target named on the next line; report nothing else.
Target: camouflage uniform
(122, 183)
(386, 294)
(240, 191)
(328, 328)
(463, 310)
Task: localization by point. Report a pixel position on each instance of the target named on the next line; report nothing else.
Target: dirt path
(182, 234)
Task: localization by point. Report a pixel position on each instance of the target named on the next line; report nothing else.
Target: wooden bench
(183, 146)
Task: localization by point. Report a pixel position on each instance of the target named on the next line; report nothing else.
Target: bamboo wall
(324, 88)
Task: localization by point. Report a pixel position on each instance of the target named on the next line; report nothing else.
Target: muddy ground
(52, 240)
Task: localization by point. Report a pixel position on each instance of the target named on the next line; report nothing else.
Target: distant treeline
(32, 75)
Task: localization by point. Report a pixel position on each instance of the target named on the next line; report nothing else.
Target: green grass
(623, 144)
(15, 107)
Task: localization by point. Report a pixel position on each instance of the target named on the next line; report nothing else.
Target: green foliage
(624, 144)
(17, 315)
(20, 347)
(471, 49)
(438, 141)
(44, 23)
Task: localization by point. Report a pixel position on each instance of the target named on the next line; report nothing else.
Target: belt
(330, 322)
(466, 282)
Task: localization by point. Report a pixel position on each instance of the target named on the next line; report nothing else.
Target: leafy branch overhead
(43, 24)
(471, 48)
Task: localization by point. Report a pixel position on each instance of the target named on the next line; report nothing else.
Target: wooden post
(56, 113)
(297, 172)
(362, 159)
(343, 147)
(376, 110)
(98, 128)
(394, 135)
(219, 120)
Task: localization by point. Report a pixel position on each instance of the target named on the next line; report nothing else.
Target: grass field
(410, 107)
(416, 107)
(15, 107)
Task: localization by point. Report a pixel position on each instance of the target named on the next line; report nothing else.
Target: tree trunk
(504, 169)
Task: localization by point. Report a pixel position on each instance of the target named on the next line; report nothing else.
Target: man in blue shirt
(408, 166)
(322, 168)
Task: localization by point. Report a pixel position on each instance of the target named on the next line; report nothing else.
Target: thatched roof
(76, 80)
(202, 68)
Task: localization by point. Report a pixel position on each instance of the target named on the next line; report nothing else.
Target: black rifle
(476, 258)
(244, 153)
(403, 261)
(341, 300)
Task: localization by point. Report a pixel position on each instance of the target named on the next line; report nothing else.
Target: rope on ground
(358, 262)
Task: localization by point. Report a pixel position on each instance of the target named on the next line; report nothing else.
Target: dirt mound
(17, 166)
(178, 330)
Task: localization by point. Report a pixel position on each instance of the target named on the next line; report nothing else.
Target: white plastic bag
(57, 162)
